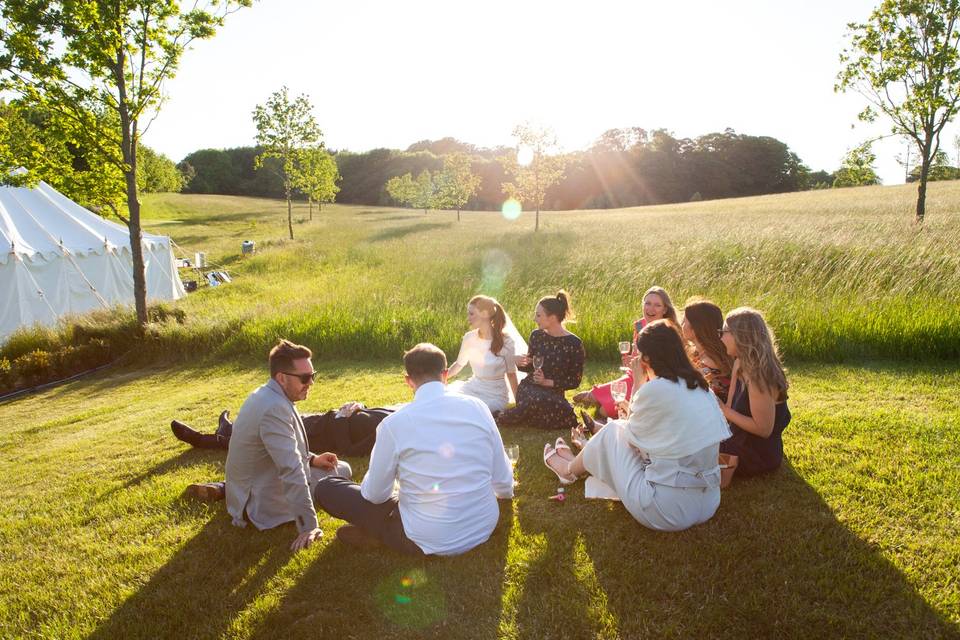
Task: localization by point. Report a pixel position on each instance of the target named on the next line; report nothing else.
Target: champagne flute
(618, 389)
(513, 454)
(538, 362)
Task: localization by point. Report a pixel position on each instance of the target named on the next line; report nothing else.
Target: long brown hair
(497, 318)
(705, 320)
(660, 343)
(671, 312)
(558, 306)
(757, 351)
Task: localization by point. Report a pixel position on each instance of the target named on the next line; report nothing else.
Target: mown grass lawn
(857, 536)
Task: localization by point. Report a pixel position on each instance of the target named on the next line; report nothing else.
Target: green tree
(284, 129)
(857, 168)
(529, 181)
(156, 173)
(425, 192)
(457, 183)
(100, 66)
(315, 175)
(402, 189)
(33, 139)
(940, 169)
(905, 61)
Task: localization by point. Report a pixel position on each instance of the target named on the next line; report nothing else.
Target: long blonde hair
(757, 351)
(671, 311)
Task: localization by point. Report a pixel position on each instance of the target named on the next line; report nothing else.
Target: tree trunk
(290, 216)
(922, 191)
(136, 245)
(458, 214)
(536, 225)
(925, 161)
(128, 143)
(310, 200)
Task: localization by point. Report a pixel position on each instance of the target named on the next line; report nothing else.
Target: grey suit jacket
(268, 474)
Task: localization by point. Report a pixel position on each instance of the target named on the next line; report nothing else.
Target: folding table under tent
(58, 258)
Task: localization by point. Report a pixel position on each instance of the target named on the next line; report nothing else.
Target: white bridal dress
(489, 380)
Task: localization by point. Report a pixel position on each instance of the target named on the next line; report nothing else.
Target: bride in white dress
(490, 349)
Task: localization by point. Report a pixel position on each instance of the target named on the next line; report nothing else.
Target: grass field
(858, 535)
(841, 273)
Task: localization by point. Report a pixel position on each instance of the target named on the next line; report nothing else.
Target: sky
(387, 74)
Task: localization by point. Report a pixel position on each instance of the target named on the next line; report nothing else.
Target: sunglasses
(720, 332)
(304, 378)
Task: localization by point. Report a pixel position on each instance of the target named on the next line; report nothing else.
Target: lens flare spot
(496, 267)
(410, 600)
(524, 156)
(447, 450)
(511, 209)
(436, 487)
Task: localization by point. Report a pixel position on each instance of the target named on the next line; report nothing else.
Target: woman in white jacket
(661, 459)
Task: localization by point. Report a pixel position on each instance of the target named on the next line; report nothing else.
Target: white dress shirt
(446, 452)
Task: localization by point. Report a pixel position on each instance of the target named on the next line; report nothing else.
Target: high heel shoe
(589, 424)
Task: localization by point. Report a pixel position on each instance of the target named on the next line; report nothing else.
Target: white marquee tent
(58, 258)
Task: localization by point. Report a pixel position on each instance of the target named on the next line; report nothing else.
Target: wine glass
(513, 454)
(538, 362)
(618, 389)
(625, 347)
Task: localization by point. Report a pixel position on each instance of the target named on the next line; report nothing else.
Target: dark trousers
(353, 436)
(341, 498)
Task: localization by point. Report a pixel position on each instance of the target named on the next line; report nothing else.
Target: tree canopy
(285, 129)
(531, 176)
(904, 61)
(99, 66)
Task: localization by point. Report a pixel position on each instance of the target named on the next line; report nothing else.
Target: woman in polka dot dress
(540, 396)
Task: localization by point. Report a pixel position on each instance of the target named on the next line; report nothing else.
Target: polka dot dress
(547, 407)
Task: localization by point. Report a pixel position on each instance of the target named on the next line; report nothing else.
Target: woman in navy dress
(757, 406)
(540, 396)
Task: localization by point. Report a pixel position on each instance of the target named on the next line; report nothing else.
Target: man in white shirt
(445, 452)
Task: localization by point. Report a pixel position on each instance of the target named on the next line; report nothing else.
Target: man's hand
(305, 539)
(326, 461)
(349, 409)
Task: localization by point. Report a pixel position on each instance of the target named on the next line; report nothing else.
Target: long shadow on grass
(774, 562)
(381, 594)
(396, 233)
(203, 585)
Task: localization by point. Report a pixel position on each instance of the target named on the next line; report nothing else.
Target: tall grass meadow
(840, 274)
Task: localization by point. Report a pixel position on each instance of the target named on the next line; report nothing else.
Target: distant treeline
(625, 167)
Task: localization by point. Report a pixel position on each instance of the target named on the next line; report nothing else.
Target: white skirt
(493, 393)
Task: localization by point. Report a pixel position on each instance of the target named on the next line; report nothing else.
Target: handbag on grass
(728, 466)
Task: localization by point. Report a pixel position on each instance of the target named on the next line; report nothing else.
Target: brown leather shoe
(354, 536)
(207, 491)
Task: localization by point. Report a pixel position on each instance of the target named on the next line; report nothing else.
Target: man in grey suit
(270, 473)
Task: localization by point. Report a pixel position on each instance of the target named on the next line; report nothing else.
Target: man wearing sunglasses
(270, 471)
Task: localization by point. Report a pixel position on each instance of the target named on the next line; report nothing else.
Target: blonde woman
(490, 348)
(656, 306)
(757, 406)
